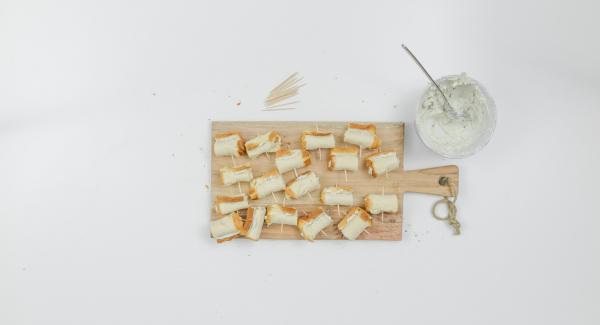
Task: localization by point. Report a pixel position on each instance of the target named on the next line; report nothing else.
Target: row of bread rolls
(352, 225)
(340, 158)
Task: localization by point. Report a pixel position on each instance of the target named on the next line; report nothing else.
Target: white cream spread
(460, 134)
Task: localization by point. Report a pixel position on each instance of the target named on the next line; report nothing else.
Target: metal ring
(448, 203)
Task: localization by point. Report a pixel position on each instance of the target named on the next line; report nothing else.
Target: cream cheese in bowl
(463, 128)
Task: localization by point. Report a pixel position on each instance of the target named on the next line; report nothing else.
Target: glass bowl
(451, 135)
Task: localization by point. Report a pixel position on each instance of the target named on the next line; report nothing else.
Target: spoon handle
(427, 74)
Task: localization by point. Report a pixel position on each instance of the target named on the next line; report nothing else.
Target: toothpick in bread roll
(281, 215)
(312, 140)
(378, 203)
(232, 175)
(226, 228)
(354, 223)
(227, 204)
(362, 135)
(302, 185)
(254, 222)
(290, 159)
(382, 162)
(266, 184)
(343, 158)
(312, 224)
(264, 143)
(229, 144)
(337, 195)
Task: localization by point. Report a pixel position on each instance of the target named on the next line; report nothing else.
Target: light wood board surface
(398, 181)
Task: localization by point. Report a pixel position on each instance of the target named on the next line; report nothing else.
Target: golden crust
(229, 199)
(251, 146)
(368, 202)
(289, 193)
(288, 190)
(252, 191)
(237, 221)
(274, 137)
(371, 128)
(342, 187)
(253, 194)
(248, 222)
(236, 169)
(222, 240)
(369, 164)
(306, 219)
(282, 153)
(376, 142)
(287, 152)
(241, 149)
(362, 214)
(226, 134)
(285, 210)
(314, 134)
(288, 210)
(343, 150)
(224, 170)
(303, 141)
(306, 158)
(299, 176)
(369, 161)
(317, 133)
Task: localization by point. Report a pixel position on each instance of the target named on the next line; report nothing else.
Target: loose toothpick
(346, 175)
(288, 88)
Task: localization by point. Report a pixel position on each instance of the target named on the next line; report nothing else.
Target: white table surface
(104, 152)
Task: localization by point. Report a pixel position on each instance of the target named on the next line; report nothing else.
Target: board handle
(428, 180)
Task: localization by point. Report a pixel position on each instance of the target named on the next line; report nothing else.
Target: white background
(104, 149)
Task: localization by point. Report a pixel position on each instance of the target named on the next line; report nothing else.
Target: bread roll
(266, 184)
(281, 215)
(312, 140)
(312, 224)
(302, 185)
(362, 135)
(287, 160)
(268, 142)
(239, 174)
(382, 162)
(343, 158)
(226, 228)
(227, 204)
(337, 195)
(254, 222)
(229, 144)
(354, 223)
(378, 203)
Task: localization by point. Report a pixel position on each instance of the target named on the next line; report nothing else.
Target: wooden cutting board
(398, 181)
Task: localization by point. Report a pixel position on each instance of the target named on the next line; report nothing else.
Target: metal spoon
(452, 110)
